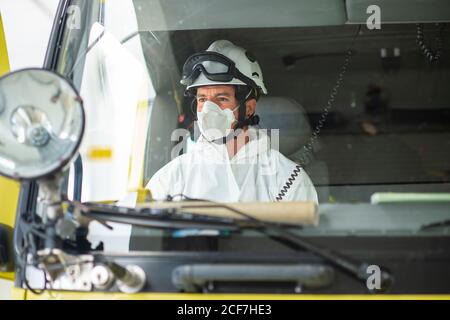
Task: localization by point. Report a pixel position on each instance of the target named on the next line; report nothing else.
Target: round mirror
(41, 123)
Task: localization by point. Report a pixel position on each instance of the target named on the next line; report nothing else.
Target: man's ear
(250, 108)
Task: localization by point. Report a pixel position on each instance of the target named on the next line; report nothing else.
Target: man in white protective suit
(232, 160)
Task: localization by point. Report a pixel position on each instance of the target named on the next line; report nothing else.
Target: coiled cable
(289, 183)
(308, 149)
(433, 56)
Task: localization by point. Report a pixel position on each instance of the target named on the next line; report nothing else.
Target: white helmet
(215, 68)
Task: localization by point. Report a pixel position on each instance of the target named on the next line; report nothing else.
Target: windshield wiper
(282, 235)
(172, 218)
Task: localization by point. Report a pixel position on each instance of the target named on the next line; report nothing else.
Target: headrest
(289, 117)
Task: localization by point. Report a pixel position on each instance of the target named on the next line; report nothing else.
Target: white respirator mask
(215, 123)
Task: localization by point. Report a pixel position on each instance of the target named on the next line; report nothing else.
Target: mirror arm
(78, 178)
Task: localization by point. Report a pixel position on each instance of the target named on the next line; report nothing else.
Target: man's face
(224, 97)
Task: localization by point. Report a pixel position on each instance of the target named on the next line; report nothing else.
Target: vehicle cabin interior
(388, 123)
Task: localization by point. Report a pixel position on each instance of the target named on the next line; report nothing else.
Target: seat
(289, 117)
(163, 121)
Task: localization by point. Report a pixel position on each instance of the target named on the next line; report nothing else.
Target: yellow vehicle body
(22, 294)
(9, 193)
(9, 189)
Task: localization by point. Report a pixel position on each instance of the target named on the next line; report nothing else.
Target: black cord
(432, 56)
(23, 264)
(331, 99)
(30, 230)
(309, 147)
(27, 284)
(289, 183)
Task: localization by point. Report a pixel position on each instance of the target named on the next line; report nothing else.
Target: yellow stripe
(136, 167)
(18, 294)
(139, 137)
(4, 62)
(194, 296)
(9, 189)
(100, 153)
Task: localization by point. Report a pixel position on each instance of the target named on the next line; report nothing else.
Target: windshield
(354, 119)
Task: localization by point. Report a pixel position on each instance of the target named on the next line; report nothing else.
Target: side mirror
(41, 123)
(6, 249)
(41, 126)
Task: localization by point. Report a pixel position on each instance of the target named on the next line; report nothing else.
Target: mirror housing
(41, 124)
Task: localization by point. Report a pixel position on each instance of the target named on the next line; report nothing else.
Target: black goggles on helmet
(214, 66)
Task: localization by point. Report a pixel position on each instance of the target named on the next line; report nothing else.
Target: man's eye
(223, 99)
(201, 99)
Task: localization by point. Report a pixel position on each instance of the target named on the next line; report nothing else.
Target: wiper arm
(282, 235)
(355, 268)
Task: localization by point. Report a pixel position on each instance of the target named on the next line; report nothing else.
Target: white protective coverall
(255, 173)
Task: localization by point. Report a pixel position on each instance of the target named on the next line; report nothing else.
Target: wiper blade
(169, 218)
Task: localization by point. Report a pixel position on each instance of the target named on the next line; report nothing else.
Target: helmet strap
(242, 121)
